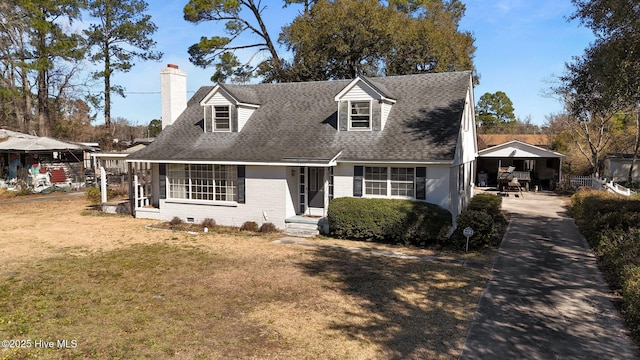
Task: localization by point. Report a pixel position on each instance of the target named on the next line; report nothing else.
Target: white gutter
(408, 162)
(319, 164)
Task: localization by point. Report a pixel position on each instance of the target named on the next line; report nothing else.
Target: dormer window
(221, 119)
(217, 118)
(363, 105)
(360, 115)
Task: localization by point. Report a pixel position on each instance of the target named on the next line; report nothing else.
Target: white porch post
(325, 192)
(136, 190)
(306, 191)
(103, 184)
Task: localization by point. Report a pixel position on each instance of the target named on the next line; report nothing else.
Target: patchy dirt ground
(34, 230)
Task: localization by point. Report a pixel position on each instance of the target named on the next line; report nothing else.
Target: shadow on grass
(409, 309)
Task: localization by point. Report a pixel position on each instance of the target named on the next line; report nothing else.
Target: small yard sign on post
(467, 232)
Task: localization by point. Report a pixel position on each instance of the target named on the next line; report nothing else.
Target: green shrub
(388, 220)
(93, 195)
(484, 215)
(631, 293)
(250, 226)
(595, 211)
(482, 224)
(611, 224)
(488, 203)
(268, 228)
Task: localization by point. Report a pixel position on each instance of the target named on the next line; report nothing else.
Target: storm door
(315, 188)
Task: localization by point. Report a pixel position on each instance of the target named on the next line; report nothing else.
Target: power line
(149, 92)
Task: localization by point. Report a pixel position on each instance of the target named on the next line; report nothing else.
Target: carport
(543, 165)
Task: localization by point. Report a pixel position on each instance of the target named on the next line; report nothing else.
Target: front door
(316, 187)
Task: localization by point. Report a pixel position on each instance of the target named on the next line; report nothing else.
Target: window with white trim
(217, 118)
(389, 181)
(360, 115)
(375, 179)
(203, 182)
(221, 118)
(402, 182)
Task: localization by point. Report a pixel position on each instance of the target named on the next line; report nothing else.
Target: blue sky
(522, 48)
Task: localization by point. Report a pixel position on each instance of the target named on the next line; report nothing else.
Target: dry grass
(123, 291)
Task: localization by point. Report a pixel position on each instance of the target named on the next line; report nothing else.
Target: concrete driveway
(546, 298)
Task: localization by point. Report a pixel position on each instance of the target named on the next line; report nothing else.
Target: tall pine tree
(121, 35)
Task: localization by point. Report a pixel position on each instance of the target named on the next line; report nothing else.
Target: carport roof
(518, 149)
(21, 142)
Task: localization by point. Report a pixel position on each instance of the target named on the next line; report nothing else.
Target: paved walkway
(546, 298)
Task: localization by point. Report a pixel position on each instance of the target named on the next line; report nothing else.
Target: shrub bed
(484, 215)
(611, 225)
(388, 221)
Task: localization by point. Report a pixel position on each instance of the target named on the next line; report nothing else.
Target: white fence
(578, 181)
(600, 184)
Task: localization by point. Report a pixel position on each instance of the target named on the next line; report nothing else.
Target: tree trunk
(277, 63)
(27, 104)
(43, 100)
(635, 149)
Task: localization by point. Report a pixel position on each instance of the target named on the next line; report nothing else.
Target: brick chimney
(173, 88)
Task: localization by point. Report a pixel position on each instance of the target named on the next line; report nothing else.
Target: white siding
(359, 92)
(467, 143)
(244, 114)
(343, 180)
(266, 194)
(438, 186)
(466, 153)
(385, 109)
(618, 169)
(219, 99)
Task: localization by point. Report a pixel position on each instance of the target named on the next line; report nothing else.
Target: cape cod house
(276, 152)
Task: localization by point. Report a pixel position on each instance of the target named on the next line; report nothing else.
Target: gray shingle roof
(298, 121)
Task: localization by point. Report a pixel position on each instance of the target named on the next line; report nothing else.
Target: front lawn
(118, 290)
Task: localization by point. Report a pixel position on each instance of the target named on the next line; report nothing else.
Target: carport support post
(103, 184)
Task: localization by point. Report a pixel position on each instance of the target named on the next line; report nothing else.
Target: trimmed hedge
(388, 221)
(484, 215)
(611, 225)
(489, 204)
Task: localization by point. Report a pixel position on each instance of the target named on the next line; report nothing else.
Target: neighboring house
(276, 152)
(616, 167)
(40, 161)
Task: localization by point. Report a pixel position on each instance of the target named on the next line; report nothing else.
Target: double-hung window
(203, 182)
(360, 115)
(217, 118)
(389, 181)
(375, 181)
(402, 182)
(221, 119)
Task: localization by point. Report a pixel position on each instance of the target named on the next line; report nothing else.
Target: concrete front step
(302, 230)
